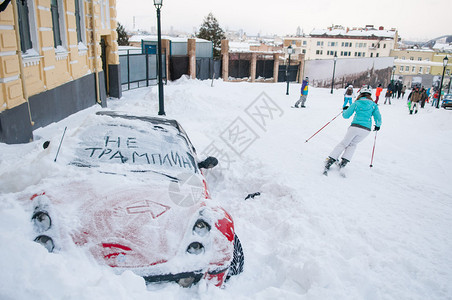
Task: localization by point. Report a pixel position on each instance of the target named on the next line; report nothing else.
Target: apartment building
(344, 42)
(56, 57)
(420, 66)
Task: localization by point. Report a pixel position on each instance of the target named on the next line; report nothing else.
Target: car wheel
(238, 260)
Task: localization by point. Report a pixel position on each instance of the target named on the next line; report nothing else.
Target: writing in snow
(131, 153)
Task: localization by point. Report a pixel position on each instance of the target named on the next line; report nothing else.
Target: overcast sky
(415, 19)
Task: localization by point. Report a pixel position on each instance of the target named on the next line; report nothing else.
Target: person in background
(415, 98)
(399, 90)
(364, 110)
(435, 97)
(424, 97)
(403, 91)
(377, 93)
(348, 96)
(388, 96)
(304, 93)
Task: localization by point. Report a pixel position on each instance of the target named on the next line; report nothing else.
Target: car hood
(144, 226)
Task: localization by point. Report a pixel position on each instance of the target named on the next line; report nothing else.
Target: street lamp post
(158, 5)
(290, 51)
(445, 61)
(334, 71)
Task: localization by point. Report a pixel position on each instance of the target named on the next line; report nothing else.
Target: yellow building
(57, 57)
(420, 66)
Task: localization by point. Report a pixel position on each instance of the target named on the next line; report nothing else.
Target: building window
(401, 69)
(407, 69)
(419, 58)
(420, 70)
(319, 52)
(384, 45)
(78, 20)
(303, 51)
(371, 55)
(55, 23)
(447, 72)
(24, 26)
(403, 57)
(304, 43)
(332, 44)
(411, 58)
(413, 69)
(427, 70)
(378, 54)
(319, 43)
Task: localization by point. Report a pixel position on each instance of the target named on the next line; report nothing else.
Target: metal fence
(292, 73)
(208, 68)
(138, 70)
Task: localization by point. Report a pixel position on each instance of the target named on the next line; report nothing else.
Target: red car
(134, 197)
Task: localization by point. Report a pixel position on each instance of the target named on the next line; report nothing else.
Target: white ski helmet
(365, 89)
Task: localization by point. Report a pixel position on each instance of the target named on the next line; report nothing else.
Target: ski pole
(373, 150)
(60, 144)
(323, 126)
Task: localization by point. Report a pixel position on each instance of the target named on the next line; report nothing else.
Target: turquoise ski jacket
(364, 110)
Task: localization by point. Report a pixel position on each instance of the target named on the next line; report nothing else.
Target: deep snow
(381, 233)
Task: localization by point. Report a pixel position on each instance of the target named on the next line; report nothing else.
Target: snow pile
(380, 233)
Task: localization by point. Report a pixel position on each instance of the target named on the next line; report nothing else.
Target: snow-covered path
(381, 233)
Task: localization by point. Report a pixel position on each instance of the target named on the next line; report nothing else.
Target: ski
(341, 171)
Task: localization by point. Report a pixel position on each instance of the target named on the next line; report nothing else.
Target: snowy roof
(239, 46)
(355, 32)
(129, 49)
(443, 47)
(154, 38)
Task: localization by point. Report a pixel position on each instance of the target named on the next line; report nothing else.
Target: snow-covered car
(447, 101)
(136, 199)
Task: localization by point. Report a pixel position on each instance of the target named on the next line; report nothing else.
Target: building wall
(46, 67)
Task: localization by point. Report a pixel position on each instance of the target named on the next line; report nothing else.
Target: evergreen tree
(123, 38)
(210, 30)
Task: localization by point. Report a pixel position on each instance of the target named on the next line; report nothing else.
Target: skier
(364, 109)
(377, 93)
(415, 99)
(304, 93)
(388, 96)
(348, 96)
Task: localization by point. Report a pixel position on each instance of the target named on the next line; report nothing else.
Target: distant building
(345, 42)
(421, 66)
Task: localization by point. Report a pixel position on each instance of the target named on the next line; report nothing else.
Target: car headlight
(195, 248)
(42, 221)
(201, 227)
(45, 241)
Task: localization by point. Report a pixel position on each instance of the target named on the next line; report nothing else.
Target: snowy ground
(381, 233)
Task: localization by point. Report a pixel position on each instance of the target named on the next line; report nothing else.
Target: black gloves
(344, 108)
(376, 128)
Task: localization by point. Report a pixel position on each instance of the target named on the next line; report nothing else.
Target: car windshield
(118, 145)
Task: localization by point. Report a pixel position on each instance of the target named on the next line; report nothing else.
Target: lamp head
(290, 49)
(158, 3)
(445, 61)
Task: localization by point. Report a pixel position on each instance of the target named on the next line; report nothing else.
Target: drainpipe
(96, 71)
(19, 54)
